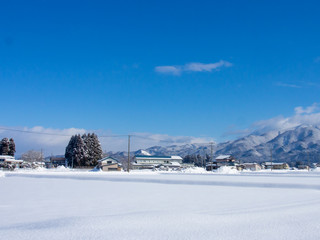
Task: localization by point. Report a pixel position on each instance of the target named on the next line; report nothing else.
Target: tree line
(197, 160)
(7, 147)
(83, 150)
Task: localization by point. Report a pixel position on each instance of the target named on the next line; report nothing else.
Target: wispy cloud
(298, 84)
(317, 60)
(174, 70)
(192, 67)
(290, 85)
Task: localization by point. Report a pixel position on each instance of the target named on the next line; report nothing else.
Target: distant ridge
(300, 143)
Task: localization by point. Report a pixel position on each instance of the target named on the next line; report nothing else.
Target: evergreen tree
(4, 146)
(94, 149)
(199, 160)
(87, 142)
(208, 158)
(83, 150)
(69, 150)
(76, 151)
(12, 147)
(80, 152)
(187, 159)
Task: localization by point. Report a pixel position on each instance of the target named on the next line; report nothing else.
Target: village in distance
(84, 152)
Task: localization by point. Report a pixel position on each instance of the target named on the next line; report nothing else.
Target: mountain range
(301, 143)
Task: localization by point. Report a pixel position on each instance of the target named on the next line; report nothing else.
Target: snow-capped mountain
(142, 152)
(298, 144)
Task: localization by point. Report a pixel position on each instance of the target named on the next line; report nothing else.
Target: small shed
(58, 161)
(303, 167)
(109, 164)
(276, 165)
(211, 166)
(251, 166)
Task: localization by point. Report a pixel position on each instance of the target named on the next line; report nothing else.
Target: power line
(54, 134)
(100, 136)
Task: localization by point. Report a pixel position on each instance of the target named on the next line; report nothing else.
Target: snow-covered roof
(176, 164)
(164, 157)
(107, 158)
(223, 157)
(6, 157)
(273, 163)
(14, 161)
(150, 157)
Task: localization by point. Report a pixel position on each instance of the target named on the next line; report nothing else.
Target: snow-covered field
(151, 205)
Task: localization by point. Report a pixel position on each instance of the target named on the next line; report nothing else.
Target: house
(226, 160)
(275, 166)
(109, 164)
(150, 162)
(9, 162)
(220, 161)
(303, 167)
(58, 161)
(211, 166)
(251, 166)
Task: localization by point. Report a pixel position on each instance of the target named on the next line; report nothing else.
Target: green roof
(144, 156)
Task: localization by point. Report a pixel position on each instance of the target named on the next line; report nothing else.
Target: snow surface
(64, 204)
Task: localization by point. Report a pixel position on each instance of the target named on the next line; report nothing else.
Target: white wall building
(149, 162)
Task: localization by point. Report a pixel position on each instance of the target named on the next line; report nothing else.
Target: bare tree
(32, 156)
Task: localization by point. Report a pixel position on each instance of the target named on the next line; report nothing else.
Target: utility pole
(211, 143)
(129, 153)
(308, 161)
(271, 158)
(204, 159)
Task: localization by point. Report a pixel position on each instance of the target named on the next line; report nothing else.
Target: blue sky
(95, 65)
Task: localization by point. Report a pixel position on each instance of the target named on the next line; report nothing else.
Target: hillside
(298, 144)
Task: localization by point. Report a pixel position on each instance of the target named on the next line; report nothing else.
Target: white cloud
(145, 140)
(202, 67)
(290, 85)
(174, 70)
(54, 141)
(192, 67)
(308, 115)
(51, 141)
(310, 109)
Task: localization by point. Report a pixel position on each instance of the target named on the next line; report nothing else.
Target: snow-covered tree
(12, 147)
(32, 156)
(83, 150)
(76, 151)
(4, 150)
(94, 149)
(69, 150)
